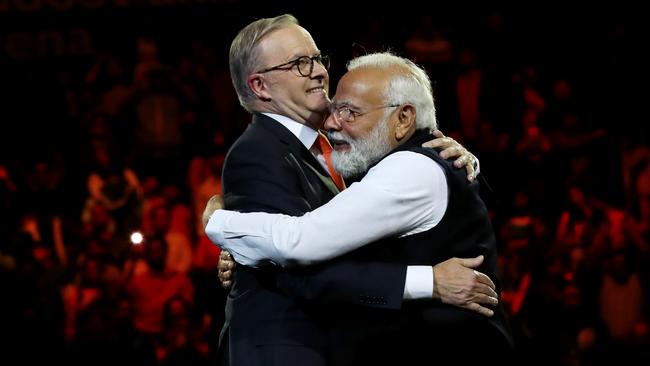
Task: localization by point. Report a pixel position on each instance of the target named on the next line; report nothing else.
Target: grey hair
(412, 87)
(244, 54)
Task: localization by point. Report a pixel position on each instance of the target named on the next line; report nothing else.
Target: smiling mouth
(319, 89)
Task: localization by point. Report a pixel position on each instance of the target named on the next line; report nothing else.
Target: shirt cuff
(214, 227)
(419, 283)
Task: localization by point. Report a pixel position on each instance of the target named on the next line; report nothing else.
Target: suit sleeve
(372, 284)
(258, 180)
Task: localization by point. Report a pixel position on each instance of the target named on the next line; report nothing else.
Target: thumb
(472, 262)
(213, 204)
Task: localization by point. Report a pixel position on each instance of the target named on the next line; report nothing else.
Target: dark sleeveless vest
(465, 231)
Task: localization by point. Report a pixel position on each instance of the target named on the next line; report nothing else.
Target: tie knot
(323, 145)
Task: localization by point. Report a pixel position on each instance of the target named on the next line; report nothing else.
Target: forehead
(286, 43)
(363, 86)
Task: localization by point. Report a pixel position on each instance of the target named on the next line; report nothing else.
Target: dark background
(569, 174)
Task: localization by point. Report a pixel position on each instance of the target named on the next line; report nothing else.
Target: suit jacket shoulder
(269, 170)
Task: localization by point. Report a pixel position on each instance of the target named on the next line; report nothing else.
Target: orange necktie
(326, 149)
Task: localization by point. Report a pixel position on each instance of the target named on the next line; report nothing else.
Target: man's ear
(405, 122)
(257, 84)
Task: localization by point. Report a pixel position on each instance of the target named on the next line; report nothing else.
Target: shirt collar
(304, 133)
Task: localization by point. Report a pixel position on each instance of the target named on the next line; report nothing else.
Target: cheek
(356, 131)
(350, 132)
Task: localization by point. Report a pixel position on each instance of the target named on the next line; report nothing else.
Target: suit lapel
(297, 149)
(326, 179)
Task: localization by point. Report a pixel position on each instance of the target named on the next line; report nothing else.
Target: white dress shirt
(404, 194)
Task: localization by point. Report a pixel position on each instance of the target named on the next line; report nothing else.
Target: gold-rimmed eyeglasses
(345, 113)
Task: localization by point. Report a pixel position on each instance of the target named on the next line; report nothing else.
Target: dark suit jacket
(273, 316)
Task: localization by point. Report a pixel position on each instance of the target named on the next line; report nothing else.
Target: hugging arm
(323, 281)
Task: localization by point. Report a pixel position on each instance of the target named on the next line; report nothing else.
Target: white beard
(363, 151)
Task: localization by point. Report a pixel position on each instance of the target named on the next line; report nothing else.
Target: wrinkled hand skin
(450, 148)
(214, 203)
(226, 267)
(226, 262)
(456, 282)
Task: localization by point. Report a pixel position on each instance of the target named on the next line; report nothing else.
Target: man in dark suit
(407, 193)
(273, 316)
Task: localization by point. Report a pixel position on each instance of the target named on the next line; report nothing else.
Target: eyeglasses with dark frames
(344, 113)
(305, 65)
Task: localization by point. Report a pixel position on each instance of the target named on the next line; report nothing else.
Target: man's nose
(319, 71)
(331, 124)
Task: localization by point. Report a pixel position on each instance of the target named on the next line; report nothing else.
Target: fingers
(225, 265)
(452, 151)
(481, 278)
(224, 275)
(484, 279)
(434, 143)
(438, 133)
(443, 143)
(225, 262)
(451, 148)
(487, 291)
(458, 283)
(225, 255)
(464, 158)
(471, 262)
(468, 161)
(480, 309)
(469, 168)
(214, 203)
(487, 300)
(461, 161)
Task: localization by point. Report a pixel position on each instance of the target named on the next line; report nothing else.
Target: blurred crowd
(129, 144)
